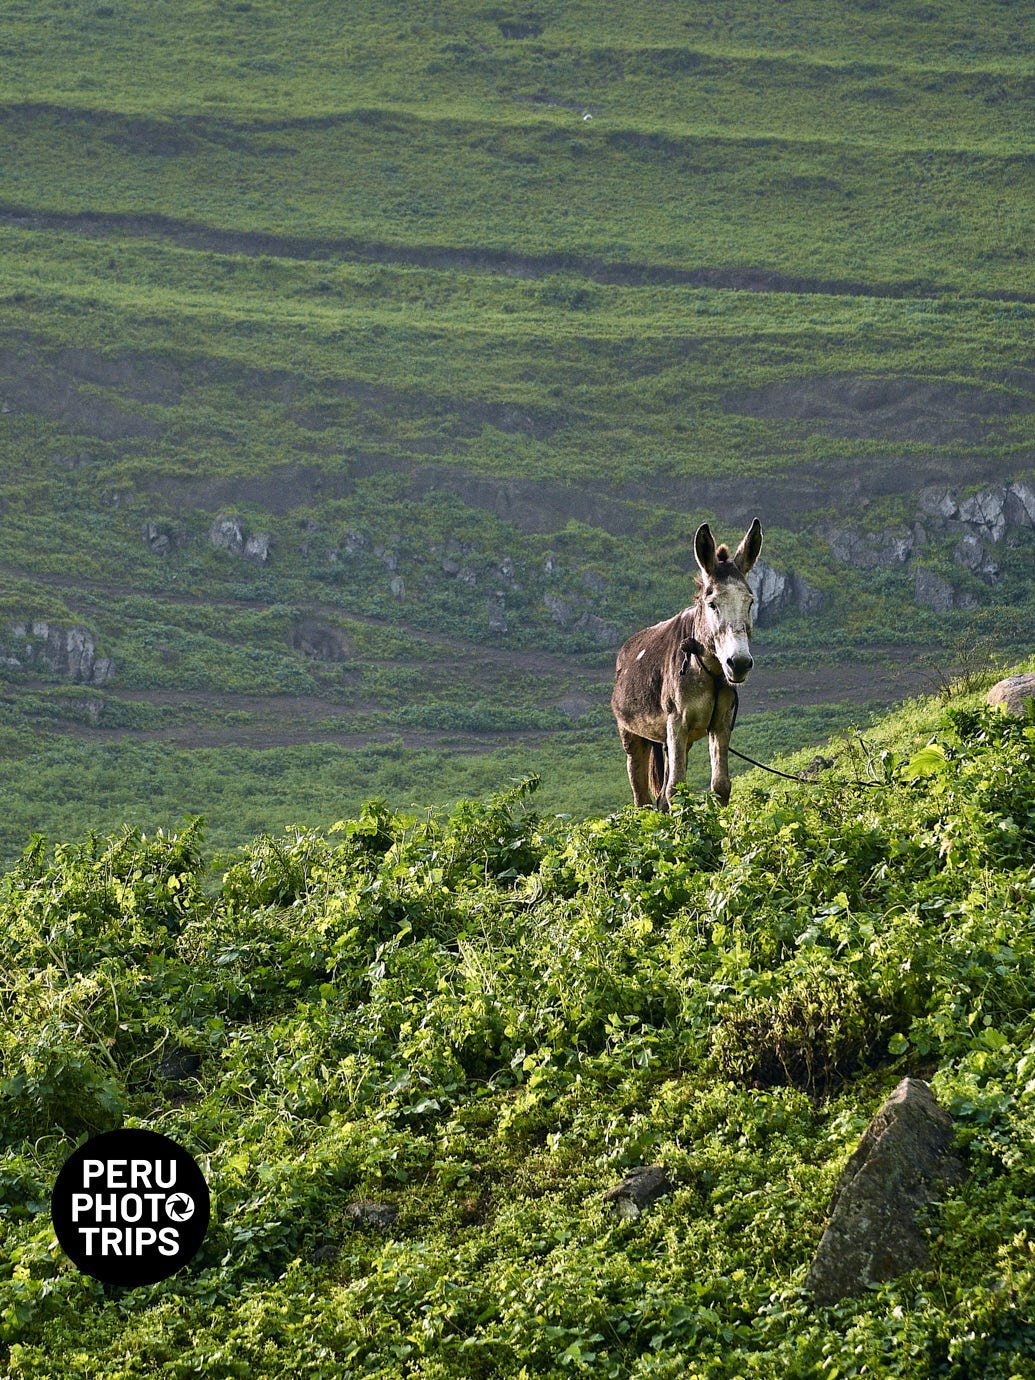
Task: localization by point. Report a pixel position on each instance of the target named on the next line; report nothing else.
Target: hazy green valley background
(365, 371)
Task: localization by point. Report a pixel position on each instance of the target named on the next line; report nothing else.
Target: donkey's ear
(704, 550)
(747, 552)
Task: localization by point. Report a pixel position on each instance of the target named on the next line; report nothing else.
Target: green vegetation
(485, 1020)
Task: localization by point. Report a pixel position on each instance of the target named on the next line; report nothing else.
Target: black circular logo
(130, 1207)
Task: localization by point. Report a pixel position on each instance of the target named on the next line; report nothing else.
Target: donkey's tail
(657, 770)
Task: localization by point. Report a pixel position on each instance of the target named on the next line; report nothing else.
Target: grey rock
(507, 568)
(1014, 693)
(902, 1163)
(870, 551)
(932, 591)
(603, 633)
(450, 566)
(560, 610)
(354, 541)
(970, 554)
(937, 502)
(776, 593)
(986, 511)
(70, 652)
(497, 616)
(1021, 504)
(772, 591)
(398, 586)
(257, 548)
(594, 581)
(467, 576)
(640, 1187)
(227, 533)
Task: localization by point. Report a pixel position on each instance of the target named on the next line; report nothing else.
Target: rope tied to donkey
(691, 647)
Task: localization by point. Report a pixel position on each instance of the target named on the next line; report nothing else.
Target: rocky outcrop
(1015, 693)
(981, 520)
(870, 550)
(228, 533)
(990, 514)
(934, 592)
(972, 554)
(902, 1163)
(257, 547)
(69, 652)
(777, 593)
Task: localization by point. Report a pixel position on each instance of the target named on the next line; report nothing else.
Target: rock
(639, 1188)
(497, 616)
(775, 593)
(594, 581)
(354, 541)
(902, 1163)
(227, 533)
(1021, 505)
(364, 1213)
(397, 586)
(772, 591)
(936, 502)
(934, 592)
(603, 633)
(257, 548)
(970, 554)
(68, 652)
(870, 551)
(159, 538)
(987, 512)
(560, 610)
(1014, 693)
(451, 567)
(467, 576)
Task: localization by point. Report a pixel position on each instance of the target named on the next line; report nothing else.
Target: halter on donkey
(676, 681)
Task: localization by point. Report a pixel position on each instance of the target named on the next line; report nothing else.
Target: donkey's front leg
(676, 746)
(719, 743)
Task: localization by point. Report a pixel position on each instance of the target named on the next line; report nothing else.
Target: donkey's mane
(725, 567)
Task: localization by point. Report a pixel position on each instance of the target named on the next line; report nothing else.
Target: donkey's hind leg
(637, 759)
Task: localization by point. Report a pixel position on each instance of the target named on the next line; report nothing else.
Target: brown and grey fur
(675, 682)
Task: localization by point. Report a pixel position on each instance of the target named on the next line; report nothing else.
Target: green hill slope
(465, 320)
(482, 1024)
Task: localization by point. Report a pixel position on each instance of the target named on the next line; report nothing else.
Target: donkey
(677, 681)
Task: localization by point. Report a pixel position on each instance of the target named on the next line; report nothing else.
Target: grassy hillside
(482, 1023)
(476, 312)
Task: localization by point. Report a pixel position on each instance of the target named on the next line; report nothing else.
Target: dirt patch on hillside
(74, 388)
(862, 407)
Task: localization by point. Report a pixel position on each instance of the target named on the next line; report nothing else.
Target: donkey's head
(726, 600)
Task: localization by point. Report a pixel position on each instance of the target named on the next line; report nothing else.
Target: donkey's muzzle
(738, 668)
